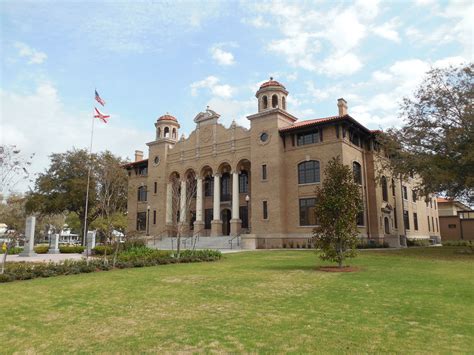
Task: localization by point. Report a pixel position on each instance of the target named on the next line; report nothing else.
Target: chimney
(138, 155)
(342, 106)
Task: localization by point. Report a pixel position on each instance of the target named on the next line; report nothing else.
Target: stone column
(235, 222)
(90, 243)
(54, 246)
(183, 210)
(199, 223)
(216, 224)
(28, 249)
(169, 206)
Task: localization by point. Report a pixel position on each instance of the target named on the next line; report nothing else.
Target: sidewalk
(44, 257)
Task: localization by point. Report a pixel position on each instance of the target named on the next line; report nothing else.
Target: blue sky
(147, 58)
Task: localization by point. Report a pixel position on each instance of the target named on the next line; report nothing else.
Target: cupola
(271, 95)
(167, 127)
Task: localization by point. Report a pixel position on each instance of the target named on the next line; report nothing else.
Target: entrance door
(225, 217)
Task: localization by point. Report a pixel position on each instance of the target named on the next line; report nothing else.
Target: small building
(261, 181)
(456, 220)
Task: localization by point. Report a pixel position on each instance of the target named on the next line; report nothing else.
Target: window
(142, 194)
(307, 212)
(308, 172)
(265, 210)
(393, 187)
(395, 221)
(404, 192)
(192, 220)
(264, 172)
(406, 219)
(437, 225)
(386, 223)
(432, 223)
(384, 189)
(243, 182)
(307, 137)
(265, 102)
(142, 170)
(154, 216)
(357, 170)
(431, 203)
(244, 216)
(274, 101)
(225, 187)
(413, 195)
(355, 139)
(451, 226)
(141, 221)
(155, 187)
(207, 218)
(429, 226)
(208, 186)
(264, 137)
(283, 103)
(415, 221)
(360, 218)
(166, 132)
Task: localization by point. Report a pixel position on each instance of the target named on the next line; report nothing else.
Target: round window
(156, 160)
(264, 137)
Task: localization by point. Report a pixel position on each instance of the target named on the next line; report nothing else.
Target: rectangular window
(265, 210)
(415, 221)
(141, 221)
(405, 192)
(451, 226)
(432, 223)
(413, 195)
(308, 137)
(360, 218)
(155, 187)
(244, 216)
(207, 218)
(142, 194)
(243, 182)
(437, 225)
(264, 172)
(395, 221)
(142, 170)
(154, 216)
(307, 212)
(209, 187)
(429, 226)
(406, 219)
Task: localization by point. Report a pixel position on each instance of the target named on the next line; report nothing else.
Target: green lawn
(417, 300)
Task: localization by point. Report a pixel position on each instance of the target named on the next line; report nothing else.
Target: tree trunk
(4, 260)
(115, 254)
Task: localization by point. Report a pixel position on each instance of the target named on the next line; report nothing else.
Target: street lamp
(247, 199)
(148, 220)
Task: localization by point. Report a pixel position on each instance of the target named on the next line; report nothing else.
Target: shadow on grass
(291, 267)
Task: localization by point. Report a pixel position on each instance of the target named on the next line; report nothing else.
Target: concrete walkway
(45, 258)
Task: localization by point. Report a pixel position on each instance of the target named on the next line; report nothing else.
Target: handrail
(231, 240)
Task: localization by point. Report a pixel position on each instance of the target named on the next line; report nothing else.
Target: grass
(416, 300)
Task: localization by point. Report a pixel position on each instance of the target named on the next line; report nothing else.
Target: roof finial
(271, 78)
(207, 108)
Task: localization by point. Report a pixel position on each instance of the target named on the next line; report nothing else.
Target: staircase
(217, 243)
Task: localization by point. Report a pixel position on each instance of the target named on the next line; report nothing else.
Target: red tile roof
(167, 117)
(135, 163)
(308, 123)
(271, 82)
(444, 199)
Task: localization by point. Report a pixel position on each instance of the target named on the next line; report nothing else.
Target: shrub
(457, 243)
(372, 245)
(41, 249)
(101, 249)
(418, 242)
(14, 250)
(69, 249)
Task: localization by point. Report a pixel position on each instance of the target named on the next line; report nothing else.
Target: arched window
(141, 193)
(225, 187)
(208, 186)
(243, 182)
(158, 133)
(308, 172)
(174, 133)
(357, 170)
(166, 132)
(265, 102)
(274, 101)
(283, 103)
(384, 189)
(386, 225)
(393, 187)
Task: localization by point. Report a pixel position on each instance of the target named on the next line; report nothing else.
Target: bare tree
(14, 168)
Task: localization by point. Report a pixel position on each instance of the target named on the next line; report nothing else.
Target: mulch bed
(338, 269)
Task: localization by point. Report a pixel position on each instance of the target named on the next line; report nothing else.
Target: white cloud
(212, 83)
(33, 56)
(341, 64)
(388, 30)
(38, 123)
(230, 110)
(221, 56)
(257, 22)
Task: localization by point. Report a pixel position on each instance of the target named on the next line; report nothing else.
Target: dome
(167, 117)
(271, 82)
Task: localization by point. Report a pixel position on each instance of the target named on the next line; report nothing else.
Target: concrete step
(219, 243)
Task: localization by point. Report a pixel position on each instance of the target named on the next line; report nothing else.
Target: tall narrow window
(406, 219)
(386, 223)
(360, 218)
(405, 192)
(154, 216)
(308, 172)
(283, 103)
(432, 223)
(437, 225)
(384, 189)
(395, 221)
(225, 187)
(208, 186)
(155, 187)
(413, 195)
(264, 172)
(141, 221)
(265, 210)
(393, 187)
(243, 182)
(415, 221)
(142, 194)
(274, 101)
(207, 218)
(307, 212)
(357, 170)
(429, 226)
(265, 102)
(244, 216)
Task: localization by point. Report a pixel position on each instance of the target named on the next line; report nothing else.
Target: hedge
(144, 257)
(71, 249)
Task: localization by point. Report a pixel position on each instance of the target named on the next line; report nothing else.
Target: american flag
(100, 115)
(99, 99)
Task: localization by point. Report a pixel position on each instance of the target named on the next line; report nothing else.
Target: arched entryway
(226, 216)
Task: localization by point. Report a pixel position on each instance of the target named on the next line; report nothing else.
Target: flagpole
(87, 191)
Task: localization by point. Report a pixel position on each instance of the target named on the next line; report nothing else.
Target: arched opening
(275, 101)
(174, 133)
(166, 132)
(226, 216)
(245, 192)
(357, 170)
(386, 225)
(283, 103)
(158, 133)
(384, 189)
(264, 102)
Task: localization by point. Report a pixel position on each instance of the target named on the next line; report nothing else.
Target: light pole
(247, 199)
(148, 220)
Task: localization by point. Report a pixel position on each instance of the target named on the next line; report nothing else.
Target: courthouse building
(261, 181)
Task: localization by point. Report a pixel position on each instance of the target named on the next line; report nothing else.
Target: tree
(437, 139)
(14, 168)
(338, 201)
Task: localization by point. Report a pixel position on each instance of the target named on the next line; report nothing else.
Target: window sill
(309, 183)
